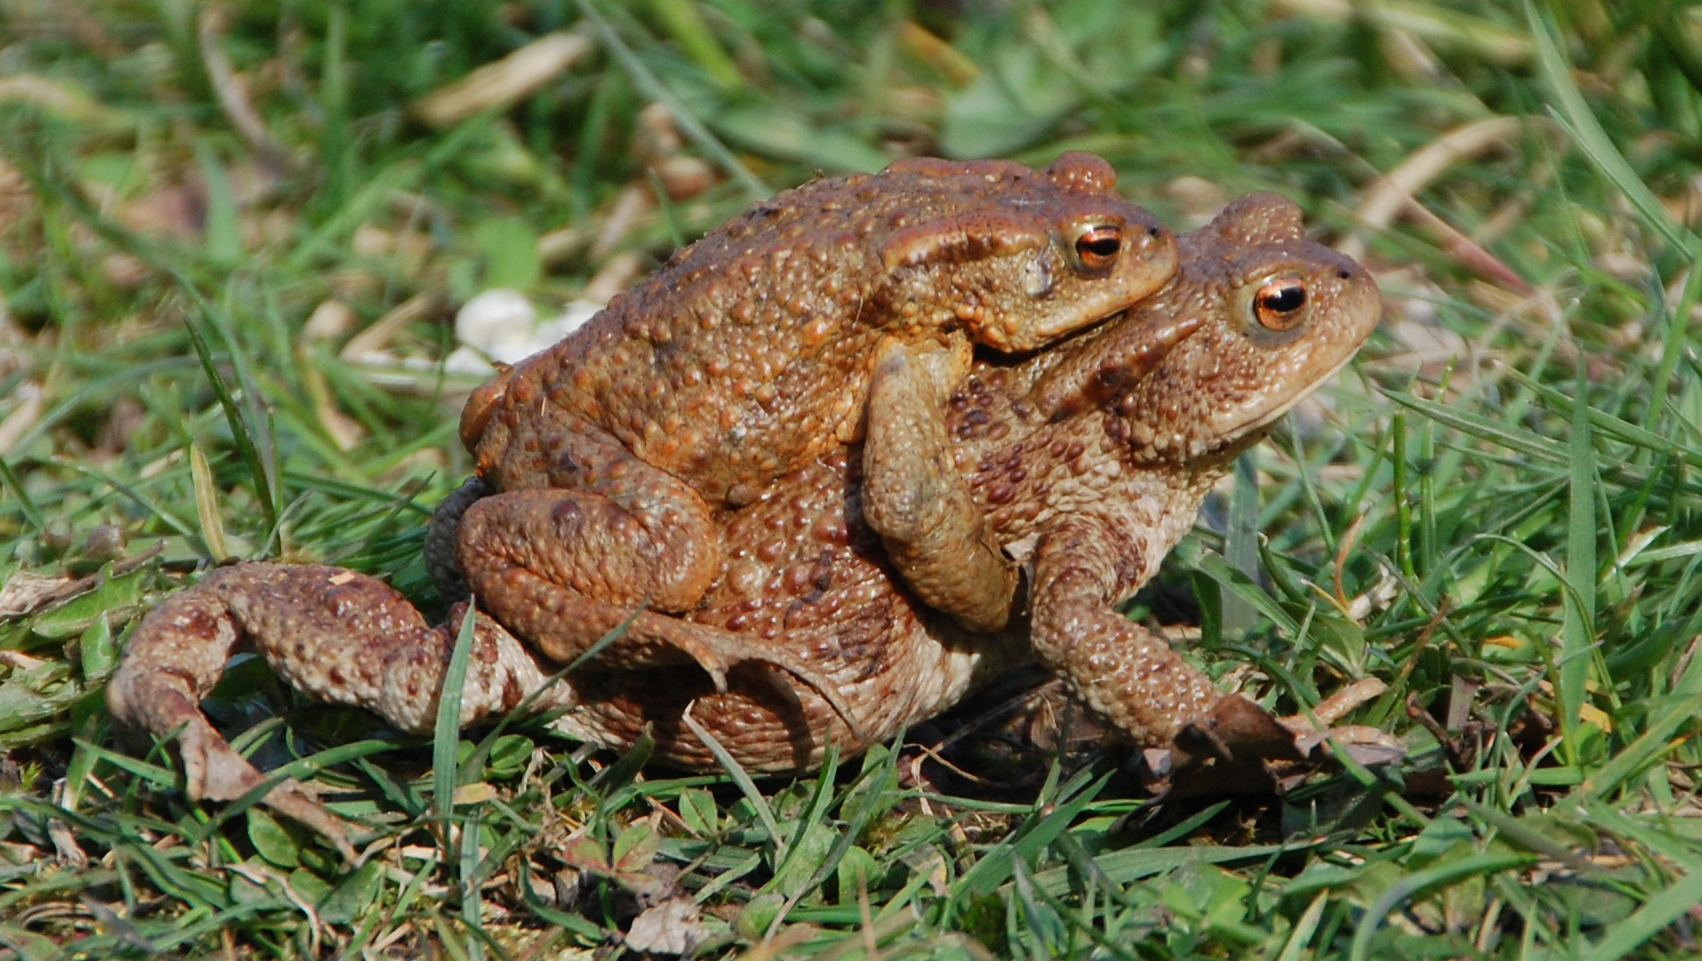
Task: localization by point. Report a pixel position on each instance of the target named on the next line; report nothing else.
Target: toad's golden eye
(1097, 246)
(1278, 304)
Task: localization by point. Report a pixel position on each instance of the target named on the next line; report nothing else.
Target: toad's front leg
(938, 539)
(335, 635)
(1121, 671)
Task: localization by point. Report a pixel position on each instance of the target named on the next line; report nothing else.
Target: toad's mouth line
(1281, 410)
(1238, 437)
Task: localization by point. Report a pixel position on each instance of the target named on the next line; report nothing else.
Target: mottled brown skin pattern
(342, 637)
(1090, 460)
(602, 461)
(804, 575)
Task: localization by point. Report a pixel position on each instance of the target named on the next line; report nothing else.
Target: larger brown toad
(1090, 460)
(841, 305)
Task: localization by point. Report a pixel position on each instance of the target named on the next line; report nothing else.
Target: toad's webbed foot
(1240, 748)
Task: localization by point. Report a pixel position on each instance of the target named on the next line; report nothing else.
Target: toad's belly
(801, 574)
(769, 721)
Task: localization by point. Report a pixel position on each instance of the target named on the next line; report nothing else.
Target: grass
(210, 217)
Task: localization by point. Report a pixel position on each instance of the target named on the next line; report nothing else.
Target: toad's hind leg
(576, 507)
(542, 563)
(336, 635)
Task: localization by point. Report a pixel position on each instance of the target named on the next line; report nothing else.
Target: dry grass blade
(502, 83)
(1394, 193)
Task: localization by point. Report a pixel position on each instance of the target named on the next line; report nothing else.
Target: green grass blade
(653, 87)
(1670, 906)
(1419, 883)
(446, 734)
(1649, 747)
(1595, 142)
(1577, 630)
(747, 787)
(242, 433)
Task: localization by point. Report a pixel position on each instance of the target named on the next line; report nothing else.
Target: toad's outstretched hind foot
(346, 638)
(335, 635)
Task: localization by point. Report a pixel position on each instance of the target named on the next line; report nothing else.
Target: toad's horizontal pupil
(1284, 299)
(1100, 242)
